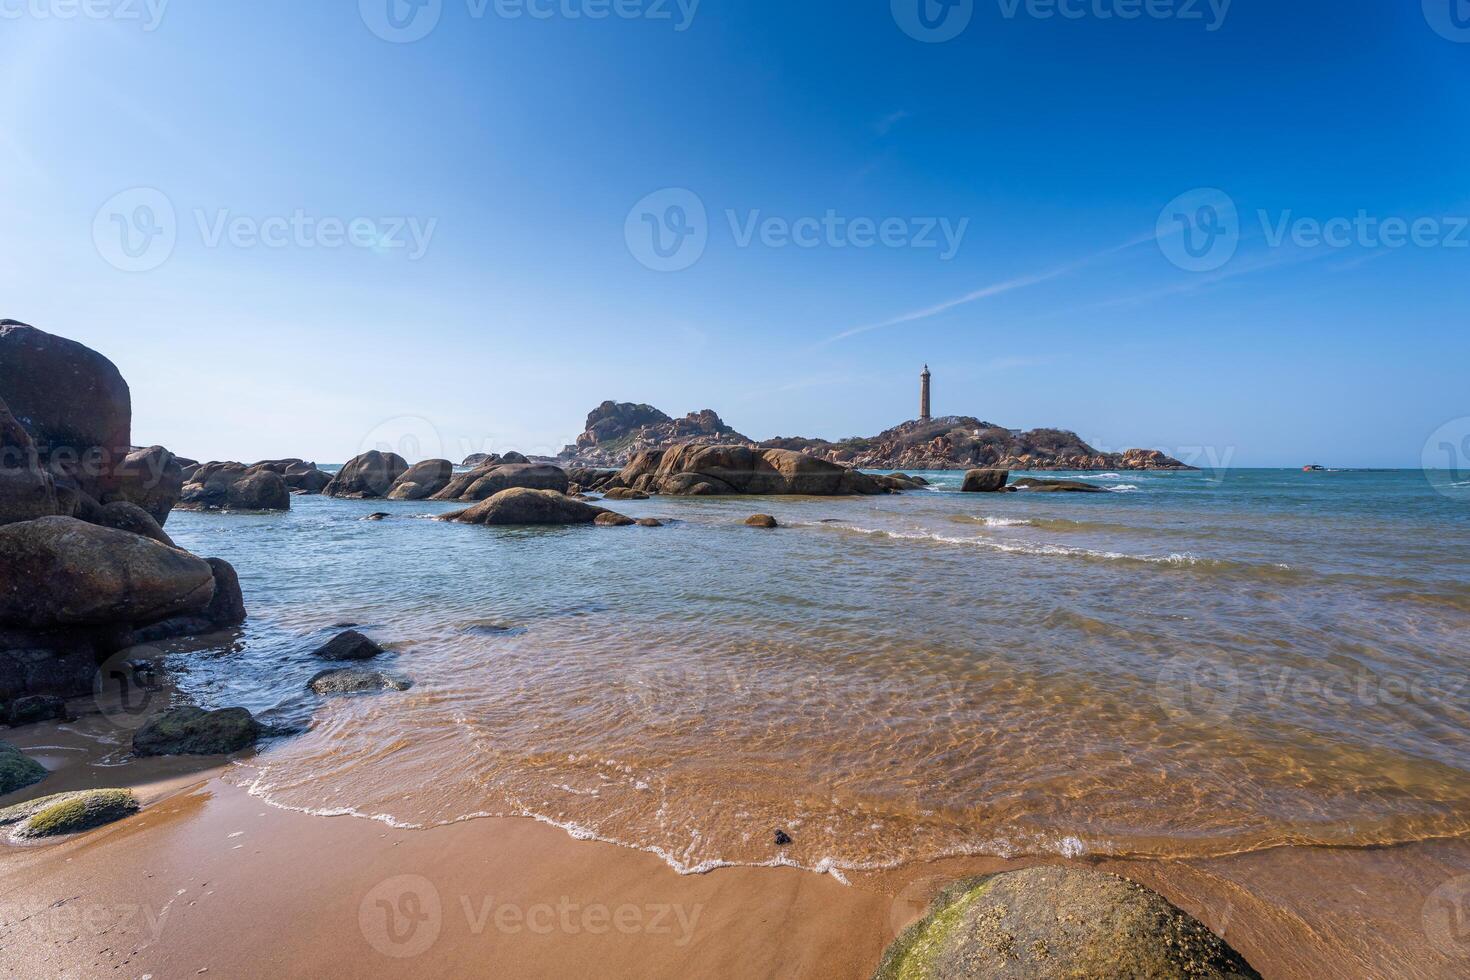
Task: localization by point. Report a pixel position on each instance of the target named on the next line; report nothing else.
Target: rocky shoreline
(616, 433)
(87, 573)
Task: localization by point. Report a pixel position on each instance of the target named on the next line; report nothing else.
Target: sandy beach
(210, 881)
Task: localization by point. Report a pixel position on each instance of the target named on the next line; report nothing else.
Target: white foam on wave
(1109, 476)
(1124, 488)
(1015, 548)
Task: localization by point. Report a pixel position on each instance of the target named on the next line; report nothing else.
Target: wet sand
(210, 881)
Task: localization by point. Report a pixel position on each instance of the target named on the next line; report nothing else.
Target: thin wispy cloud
(885, 125)
(992, 290)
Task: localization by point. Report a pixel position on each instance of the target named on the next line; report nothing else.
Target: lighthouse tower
(924, 414)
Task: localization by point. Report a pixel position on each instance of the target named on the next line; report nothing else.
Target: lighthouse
(924, 413)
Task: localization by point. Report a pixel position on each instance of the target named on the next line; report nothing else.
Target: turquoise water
(1184, 665)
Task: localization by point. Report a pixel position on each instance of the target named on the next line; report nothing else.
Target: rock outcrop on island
(616, 432)
(965, 443)
(695, 470)
(85, 566)
(1058, 922)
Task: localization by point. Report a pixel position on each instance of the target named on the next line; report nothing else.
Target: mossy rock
(194, 731)
(18, 771)
(68, 813)
(1046, 923)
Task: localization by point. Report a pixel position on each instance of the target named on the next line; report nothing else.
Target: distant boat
(1314, 469)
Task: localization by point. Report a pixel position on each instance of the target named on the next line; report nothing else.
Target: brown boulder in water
(985, 481)
(1058, 922)
(763, 521)
(368, 476)
(1033, 485)
(520, 506)
(486, 482)
(609, 519)
(194, 731)
(422, 480)
(692, 470)
(61, 572)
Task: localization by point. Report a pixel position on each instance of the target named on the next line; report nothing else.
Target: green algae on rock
(68, 813)
(1058, 922)
(194, 731)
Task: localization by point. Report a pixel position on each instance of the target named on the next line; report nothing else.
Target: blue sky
(495, 288)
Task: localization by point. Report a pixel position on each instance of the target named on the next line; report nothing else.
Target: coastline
(211, 881)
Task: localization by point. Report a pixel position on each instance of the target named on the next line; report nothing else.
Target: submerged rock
(649, 522)
(350, 645)
(33, 708)
(609, 519)
(194, 731)
(1058, 922)
(355, 680)
(1033, 485)
(527, 507)
(18, 771)
(68, 813)
(762, 520)
(782, 838)
(985, 481)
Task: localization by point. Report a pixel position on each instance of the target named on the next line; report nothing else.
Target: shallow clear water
(1183, 666)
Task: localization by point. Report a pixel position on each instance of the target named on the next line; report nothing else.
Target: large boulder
(347, 646)
(422, 480)
(62, 664)
(367, 477)
(27, 490)
(123, 516)
(72, 401)
(1058, 922)
(985, 481)
(235, 486)
(694, 470)
(194, 731)
(1035, 485)
(225, 610)
(486, 482)
(62, 572)
(520, 506)
(152, 478)
(306, 478)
